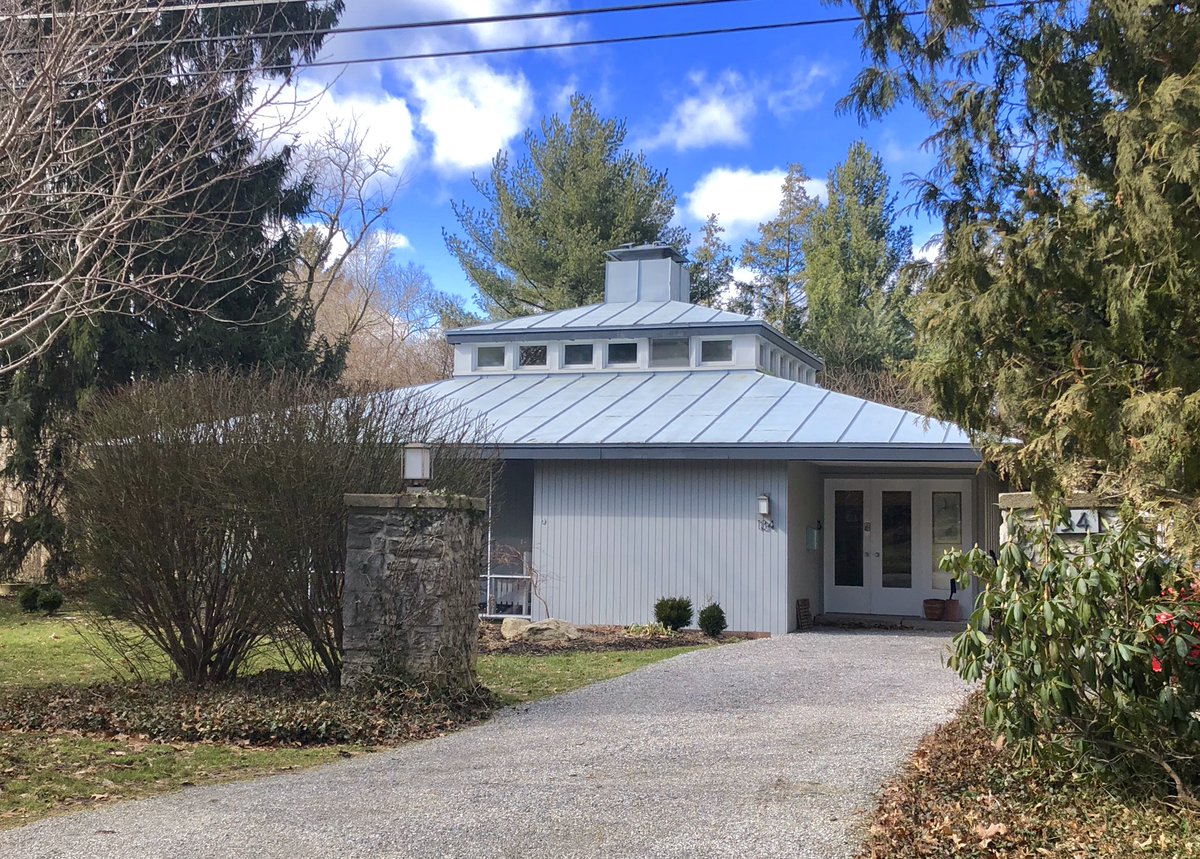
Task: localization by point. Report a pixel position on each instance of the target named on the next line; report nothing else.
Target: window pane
(716, 350)
(533, 356)
(897, 539)
(669, 353)
(947, 532)
(622, 353)
(848, 538)
(489, 356)
(576, 353)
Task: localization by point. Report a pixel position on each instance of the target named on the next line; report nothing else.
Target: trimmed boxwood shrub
(673, 612)
(50, 599)
(29, 598)
(712, 620)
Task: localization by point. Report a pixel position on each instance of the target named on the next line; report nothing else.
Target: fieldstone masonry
(411, 600)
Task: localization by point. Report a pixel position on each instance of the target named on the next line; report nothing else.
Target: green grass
(45, 774)
(42, 774)
(520, 679)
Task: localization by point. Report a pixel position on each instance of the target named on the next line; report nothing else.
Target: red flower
(1165, 617)
(1155, 664)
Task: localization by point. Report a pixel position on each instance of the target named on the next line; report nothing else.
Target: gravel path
(768, 748)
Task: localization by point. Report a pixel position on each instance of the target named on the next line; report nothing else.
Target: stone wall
(411, 599)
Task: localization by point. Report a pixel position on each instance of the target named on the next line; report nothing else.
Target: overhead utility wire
(617, 40)
(614, 40)
(427, 25)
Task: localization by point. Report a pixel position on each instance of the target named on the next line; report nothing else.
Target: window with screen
(489, 356)
(622, 353)
(716, 351)
(672, 352)
(577, 355)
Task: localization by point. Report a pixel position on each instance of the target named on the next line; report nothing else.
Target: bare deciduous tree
(347, 266)
(122, 123)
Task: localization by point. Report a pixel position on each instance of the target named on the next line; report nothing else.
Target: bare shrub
(209, 512)
(889, 387)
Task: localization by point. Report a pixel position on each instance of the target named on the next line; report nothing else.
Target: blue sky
(723, 115)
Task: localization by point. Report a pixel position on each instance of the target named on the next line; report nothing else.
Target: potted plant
(953, 609)
(934, 608)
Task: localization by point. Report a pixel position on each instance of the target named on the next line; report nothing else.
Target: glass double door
(880, 541)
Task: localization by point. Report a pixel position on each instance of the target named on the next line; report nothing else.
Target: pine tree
(853, 252)
(712, 267)
(1063, 310)
(538, 242)
(251, 320)
(776, 259)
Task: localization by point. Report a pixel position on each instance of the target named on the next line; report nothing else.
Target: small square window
(669, 353)
(533, 356)
(577, 355)
(622, 353)
(716, 351)
(489, 356)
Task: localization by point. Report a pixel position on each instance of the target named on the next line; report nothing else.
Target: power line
(404, 25)
(510, 49)
(619, 40)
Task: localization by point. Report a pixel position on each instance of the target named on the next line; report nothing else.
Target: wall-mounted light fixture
(765, 522)
(418, 466)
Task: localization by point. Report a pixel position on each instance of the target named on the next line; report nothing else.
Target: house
(654, 447)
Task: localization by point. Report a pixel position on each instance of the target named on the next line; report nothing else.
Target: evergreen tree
(538, 242)
(853, 251)
(712, 267)
(249, 320)
(1063, 310)
(776, 258)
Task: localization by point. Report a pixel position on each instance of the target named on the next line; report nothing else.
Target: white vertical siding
(806, 506)
(610, 538)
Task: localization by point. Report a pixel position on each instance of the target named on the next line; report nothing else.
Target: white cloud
(804, 89)
(742, 198)
(470, 111)
(717, 113)
(739, 197)
(931, 251)
(384, 120)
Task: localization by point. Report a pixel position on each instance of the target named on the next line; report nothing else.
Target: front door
(883, 539)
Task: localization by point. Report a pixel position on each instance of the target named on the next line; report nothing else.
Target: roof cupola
(653, 272)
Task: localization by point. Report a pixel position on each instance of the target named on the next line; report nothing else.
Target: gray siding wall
(806, 500)
(610, 538)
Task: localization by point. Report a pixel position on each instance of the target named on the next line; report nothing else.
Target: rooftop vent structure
(654, 272)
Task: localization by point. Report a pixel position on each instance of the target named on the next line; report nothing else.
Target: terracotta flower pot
(934, 609)
(952, 611)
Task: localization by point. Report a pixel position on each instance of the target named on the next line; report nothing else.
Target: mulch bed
(595, 639)
(963, 794)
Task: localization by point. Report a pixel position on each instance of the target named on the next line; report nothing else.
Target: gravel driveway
(769, 748)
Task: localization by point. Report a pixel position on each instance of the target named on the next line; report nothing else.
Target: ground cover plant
(965, 795)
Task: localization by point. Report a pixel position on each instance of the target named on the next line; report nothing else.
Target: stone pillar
(410, 605)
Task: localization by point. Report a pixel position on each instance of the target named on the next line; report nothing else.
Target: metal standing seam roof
(730, 413)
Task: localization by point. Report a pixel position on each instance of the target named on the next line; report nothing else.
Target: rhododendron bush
(1088, 650)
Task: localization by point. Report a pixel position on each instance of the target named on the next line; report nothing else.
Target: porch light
(764, 506)
(418, 465)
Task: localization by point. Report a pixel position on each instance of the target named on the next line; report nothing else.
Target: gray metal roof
(693, 414)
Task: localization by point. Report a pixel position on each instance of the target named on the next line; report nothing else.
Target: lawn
(43, 774)
(962, 795)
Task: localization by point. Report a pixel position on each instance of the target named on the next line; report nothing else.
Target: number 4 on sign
(1081, 522)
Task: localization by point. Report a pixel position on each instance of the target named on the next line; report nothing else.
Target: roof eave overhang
(895, 453)
(762, 329)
